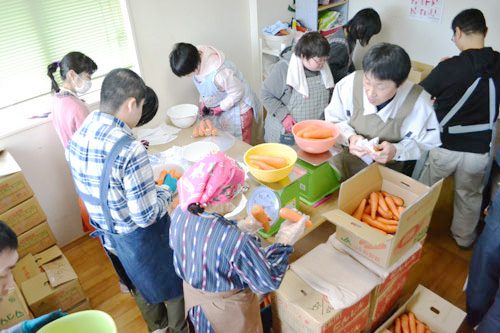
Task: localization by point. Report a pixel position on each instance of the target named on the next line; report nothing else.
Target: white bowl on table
(195, 151)
(183, 115)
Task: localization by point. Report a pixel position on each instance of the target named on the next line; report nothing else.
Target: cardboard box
(440, 315)
(386, 295)
(42, 298)
(299, 306)
(24, 216)
(382, 249)
(48, 255)
(13, 309)
(36, 240)
(85, 305)
(419, 71)
(25, 269)
(14, 189)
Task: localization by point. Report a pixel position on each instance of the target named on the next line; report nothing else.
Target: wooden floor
(443, 268)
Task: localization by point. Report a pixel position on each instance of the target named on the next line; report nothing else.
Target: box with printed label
(14, 189)
(299, 306)
(13, 309)
(24, 216)
(36, 240)
(386, 295)
(25, 269)
(42, 298)
(383, 249)
(438, 314)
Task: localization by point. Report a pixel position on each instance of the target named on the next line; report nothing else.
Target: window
(38, 32)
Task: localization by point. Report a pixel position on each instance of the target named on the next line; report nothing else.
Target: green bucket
(89, 321)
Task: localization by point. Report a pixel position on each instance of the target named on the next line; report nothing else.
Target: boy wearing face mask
(68, 110)
(380, 102)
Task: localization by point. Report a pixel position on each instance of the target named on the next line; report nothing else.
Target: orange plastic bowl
(315, 146)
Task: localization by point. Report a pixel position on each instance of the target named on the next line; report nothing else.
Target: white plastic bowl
(195, 151)
(183, 115)
(158, 168)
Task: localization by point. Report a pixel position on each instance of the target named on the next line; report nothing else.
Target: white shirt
(420, 130)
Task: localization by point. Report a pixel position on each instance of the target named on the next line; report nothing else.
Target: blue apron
(229, 120)
(144, 253)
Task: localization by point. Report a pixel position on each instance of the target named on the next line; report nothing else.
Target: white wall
(424, 41)
(41, 156)
(159, 24)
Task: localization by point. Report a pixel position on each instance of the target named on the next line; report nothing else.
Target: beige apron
(235, 311)
(371, 126)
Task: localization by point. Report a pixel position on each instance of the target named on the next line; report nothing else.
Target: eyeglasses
(320, 61)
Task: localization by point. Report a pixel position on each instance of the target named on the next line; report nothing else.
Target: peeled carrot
(161, 177)
(401, 209)
(195, 132)
(274, 161)
(360, 210)
(262, 165)
(412, 322)
(320, 133)
(260, 215)
(420, 327)
(382, 203)
(398, 326)
(392, 206)
(390, 229)
(368, 209)
(201, 128)
(384, 213)
(405, 325)
(427, 330)
(208, 127)
(374, 204)
(305, 129)
(387, 221)
(397, 200)
(294, 216)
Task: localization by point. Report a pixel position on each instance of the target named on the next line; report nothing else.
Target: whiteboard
(426, 42)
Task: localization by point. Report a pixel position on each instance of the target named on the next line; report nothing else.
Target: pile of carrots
(289, 214)
(313, 132)
(164, 173)
(408, 323)
(204, 128)
(380, 210)
(266, 162)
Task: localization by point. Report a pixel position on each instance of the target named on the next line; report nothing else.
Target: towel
(275, 28)
(296, 76)
(335, 274)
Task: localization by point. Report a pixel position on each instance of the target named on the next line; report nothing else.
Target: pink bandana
(213, 180)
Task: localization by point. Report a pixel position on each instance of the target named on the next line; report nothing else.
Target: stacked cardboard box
(13, 309)
(47, 280)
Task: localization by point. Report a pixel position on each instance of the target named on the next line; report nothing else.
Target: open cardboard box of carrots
(424, 312)
(383, 248)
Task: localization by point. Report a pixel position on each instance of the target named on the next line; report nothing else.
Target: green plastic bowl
(89, 321)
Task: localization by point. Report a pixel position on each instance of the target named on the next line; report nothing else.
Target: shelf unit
(307, 11)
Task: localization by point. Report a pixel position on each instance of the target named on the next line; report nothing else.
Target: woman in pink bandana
(223, 267)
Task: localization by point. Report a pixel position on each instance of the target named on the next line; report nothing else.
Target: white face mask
(83, 87)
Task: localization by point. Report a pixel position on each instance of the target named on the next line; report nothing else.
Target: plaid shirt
(134, 200)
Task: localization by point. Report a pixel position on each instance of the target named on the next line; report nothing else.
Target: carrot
(384, 213)
(195, 132)
(161, 177)
(412, 323)
(398, 326)
(401, 209)
(201, 128)
(209, 127)
(405, 326)
(262, 165)
(382, 203)
(420, 327)
(360, 210)
(427, 330)
(320, 133)
(374, 204)
(397, 200)
(294, 216)
(303, 130)
(368, 208)
(392, 206)
(390, 229)
(260, 215)
(387, 221)
(274, 161)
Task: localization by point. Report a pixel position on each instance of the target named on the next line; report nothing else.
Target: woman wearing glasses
(298, 87)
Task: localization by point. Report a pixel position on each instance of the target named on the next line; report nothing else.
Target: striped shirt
(134, 200)
(212, 254)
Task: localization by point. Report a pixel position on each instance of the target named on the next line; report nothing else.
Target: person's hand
(354, 148)
(288, 123)
(385, 152)
(290, 232)
(249, 225)
(216, 111)
(171, 182)
(33, 325)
